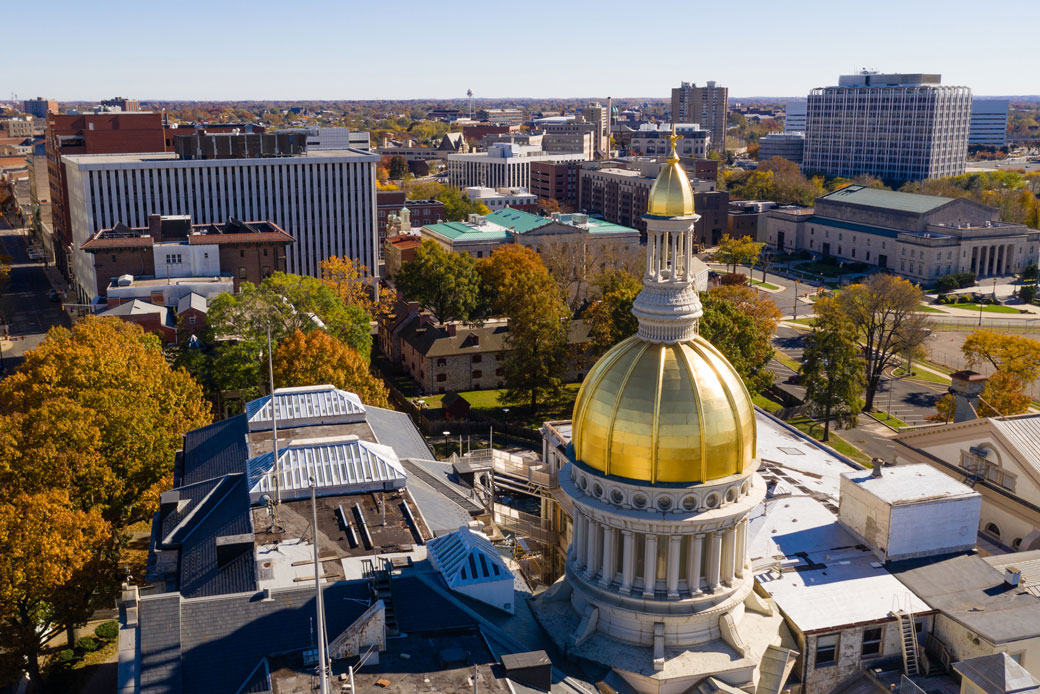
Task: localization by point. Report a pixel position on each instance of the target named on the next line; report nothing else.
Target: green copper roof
(517, 220)
(889, 199)
(503, 223)
(460, 231)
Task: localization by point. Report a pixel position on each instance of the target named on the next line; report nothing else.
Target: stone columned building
(662, 476)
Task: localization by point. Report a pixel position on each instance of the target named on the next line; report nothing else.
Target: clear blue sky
(311, 49)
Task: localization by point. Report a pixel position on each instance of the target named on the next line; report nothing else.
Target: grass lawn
(923, 375)
(987, 308)
(801, 321)
(490, 404)
(815, 430)
(823, 269)
(765, 285)
(786, 360)
(889, 419)
(766, 404)
(924, 308)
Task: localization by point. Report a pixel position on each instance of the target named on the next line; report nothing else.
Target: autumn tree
(883, 311)
(98, 412)
(315, 358)
(457, 205)
(287, 303)
(746, 341)
(733, 252)
(1015, 361)
(354, 284)
(609, 318)
(57, 566)
(445, 284)
(833, 372)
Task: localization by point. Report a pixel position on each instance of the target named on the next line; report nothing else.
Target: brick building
(556, 181)
(172, 248)
(420, 212)
(40, 107)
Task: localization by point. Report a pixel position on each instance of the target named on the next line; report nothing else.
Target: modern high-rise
(40, 107)
(504, 165)
(989, 121)
(794, 116)
(787, 145)
(325, 199)
(898, 127)
(707, 105)
(599, 115)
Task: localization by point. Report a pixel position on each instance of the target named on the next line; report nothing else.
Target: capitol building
(662, 476)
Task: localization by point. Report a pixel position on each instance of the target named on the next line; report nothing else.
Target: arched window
(992, 529)
(1016, 544)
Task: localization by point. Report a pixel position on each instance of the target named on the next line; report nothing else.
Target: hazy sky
(310, 49)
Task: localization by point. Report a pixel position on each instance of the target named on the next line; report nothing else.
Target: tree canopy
(458, 206)
(833, 371)
(733, 252)
(314, 358)
(610, 319)
(739, 329)
(444, 283)
(354, 284)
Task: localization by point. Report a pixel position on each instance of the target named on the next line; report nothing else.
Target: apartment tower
(707, 106)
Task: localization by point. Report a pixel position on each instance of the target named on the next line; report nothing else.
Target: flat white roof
(825, 582)
(171, 158)
(910, 483)
(812, 467)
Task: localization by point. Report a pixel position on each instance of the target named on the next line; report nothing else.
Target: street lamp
(446, 435)
(505, 411)
(796, 300)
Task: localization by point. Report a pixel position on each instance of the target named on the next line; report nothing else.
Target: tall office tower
(898, 127)
(599, 115)
(325, 199)
(989, 121)
(707, 106)
(794, 116)
(39, 107)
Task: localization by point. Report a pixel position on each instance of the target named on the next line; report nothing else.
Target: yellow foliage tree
(317, 358)
(97, 411)
(56, 566)
(355, 286)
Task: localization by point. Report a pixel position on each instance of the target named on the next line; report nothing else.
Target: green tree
(743, 340)
(398, 167)
(287, 303)
(446, 284)
(883, 310)
(833, 372)
(733, 252)
(458, 206)
(610, 319)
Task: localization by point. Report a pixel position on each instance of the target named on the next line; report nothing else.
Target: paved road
(910, 400)
(24, 303)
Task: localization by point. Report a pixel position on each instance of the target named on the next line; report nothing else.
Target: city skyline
(323, 51)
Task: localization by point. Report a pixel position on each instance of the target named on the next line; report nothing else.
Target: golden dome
(671, 195)
(664, 412)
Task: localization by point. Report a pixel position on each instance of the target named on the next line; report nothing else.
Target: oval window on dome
(639, 501)
(616, 496)
(582, 482)
(664, 503)
(597, 490)
(731, 494)
(744, 489)
(689, 503)
(712, 501)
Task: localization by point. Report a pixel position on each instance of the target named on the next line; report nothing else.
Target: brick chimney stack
(965, 387)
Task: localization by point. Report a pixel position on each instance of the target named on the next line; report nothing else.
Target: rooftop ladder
(908, 640)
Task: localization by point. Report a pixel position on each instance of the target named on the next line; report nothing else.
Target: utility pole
(274, 426)
(319, 602)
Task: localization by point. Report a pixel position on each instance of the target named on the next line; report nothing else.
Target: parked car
(53, 295)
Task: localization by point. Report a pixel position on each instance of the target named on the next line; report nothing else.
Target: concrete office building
(787, 145)
(599, 116)
(989, 122)
(504, 165)
(897, 126)
(40, 107)
(651, 140)
(325, 199)
(337, 138)
(570, 137)
(794, 116)
(495, 199)
(920, 237)
(557, 182)
(502, 116)
(707, 105)
(619, 191)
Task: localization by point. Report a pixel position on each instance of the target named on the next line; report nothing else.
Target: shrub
(946, 284)
(107, 631)
(1027, 293)
(88, 644)
(733, 278)
(66, 655)
(964, 299)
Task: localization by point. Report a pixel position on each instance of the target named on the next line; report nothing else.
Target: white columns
(593, 547)
(714, 560)
(607, 569)
(693, 572)
(650, 566)
(728, 555)
(628, 560)
(741, 548)
(673, 565)
(579, 541)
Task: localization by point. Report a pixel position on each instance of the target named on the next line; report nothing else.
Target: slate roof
(997, 673)
(889, 199)
(214, 451)
(395, 429)
(215, 645)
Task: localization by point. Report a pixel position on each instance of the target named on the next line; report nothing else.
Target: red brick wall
(235, 257)
(122, 261)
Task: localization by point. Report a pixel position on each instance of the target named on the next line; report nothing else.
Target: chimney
(1012, 575)
(451, 328)
(965, 387)
(155, 226)
(878, 464)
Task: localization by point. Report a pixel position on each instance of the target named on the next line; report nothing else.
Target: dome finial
(674, 137)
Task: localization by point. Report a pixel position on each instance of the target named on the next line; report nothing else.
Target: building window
(871, 642)
(826, 650)
(241, 254)
(993, 530)
(265, 252)
(477, 374)
(442, 362)
(476, 358)
(191, 320)
(113, 259)
(500, 371)
(441, 378)
(173, 258)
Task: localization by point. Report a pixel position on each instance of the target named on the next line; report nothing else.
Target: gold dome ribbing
(671, 195)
